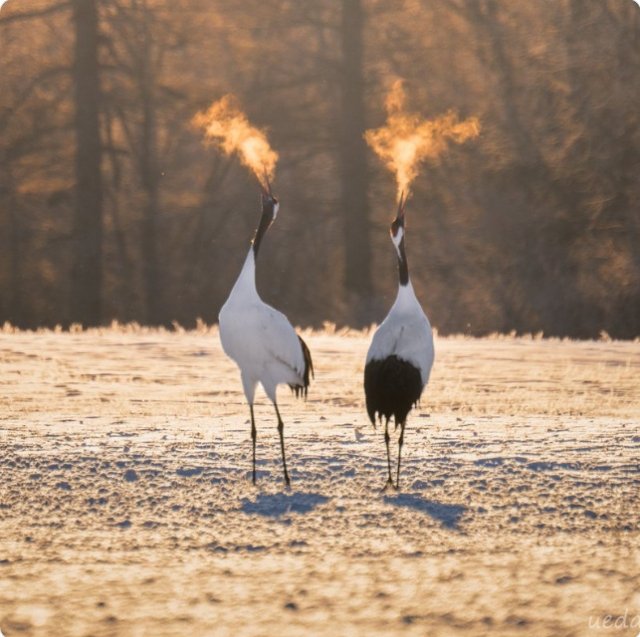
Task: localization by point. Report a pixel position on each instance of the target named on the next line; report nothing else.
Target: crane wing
(281, 340)
(410, 340)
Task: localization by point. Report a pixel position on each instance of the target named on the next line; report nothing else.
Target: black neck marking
(403, 266)
(265, 221)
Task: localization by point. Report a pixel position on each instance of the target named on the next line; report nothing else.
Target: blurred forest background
(111, 207)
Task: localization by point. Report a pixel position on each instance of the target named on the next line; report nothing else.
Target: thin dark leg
(284, 459)
(386, 440)
(254, 435)
(400, 443)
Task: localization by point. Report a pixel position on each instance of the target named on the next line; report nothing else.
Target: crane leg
(386, 441)
(400, 443)
(254, 435)
(284, 458)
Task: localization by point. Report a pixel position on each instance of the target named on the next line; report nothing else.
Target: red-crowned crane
(401, 353)
(260, 339)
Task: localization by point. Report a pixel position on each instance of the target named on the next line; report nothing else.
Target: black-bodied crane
(401, 353)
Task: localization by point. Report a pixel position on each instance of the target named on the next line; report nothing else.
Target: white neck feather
(406, 299)
(245, 285)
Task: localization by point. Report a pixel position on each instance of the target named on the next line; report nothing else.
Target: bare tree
(86, 295)
(353, 164)
(534, 226)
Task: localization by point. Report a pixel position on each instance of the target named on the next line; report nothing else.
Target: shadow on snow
(447, 514)
(277, 504)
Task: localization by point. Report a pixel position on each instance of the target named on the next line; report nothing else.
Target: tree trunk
(353, 158)
(86, 286)
(150, 179)
(11, 303)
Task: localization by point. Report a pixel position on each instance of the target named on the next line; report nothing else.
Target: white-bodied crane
(401, 353)
(260, 339)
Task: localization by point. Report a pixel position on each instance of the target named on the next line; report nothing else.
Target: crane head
(270, 203)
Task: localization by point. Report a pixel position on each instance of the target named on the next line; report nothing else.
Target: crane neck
(245, 285)
(406, 299)
(265, 221)
(403, 265)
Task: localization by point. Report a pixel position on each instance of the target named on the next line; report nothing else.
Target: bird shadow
(278, 504)
(447, 514)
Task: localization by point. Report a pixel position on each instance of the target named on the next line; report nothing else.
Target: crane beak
(270, 204)
(265, 186)
(401, 205)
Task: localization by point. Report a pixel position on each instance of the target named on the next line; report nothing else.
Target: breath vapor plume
(225, 124)
(406, 139)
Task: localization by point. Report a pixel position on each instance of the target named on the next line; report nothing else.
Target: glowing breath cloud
(406, 139)
(225, 123)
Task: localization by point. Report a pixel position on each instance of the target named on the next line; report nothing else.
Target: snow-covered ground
(126, 506)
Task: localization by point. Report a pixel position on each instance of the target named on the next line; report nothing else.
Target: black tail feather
(392, 387)
(308, 371)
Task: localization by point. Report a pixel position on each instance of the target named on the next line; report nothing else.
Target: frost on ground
(126, 506)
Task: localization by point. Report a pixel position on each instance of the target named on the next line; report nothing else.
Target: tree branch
(31, 15)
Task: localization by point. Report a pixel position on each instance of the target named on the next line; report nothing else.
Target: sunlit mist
(227, 125)
(406, 139)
